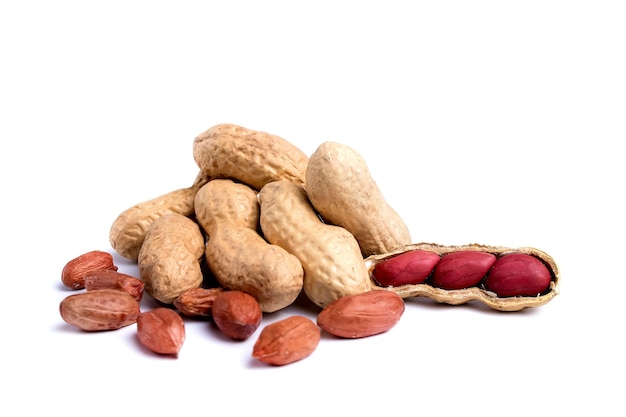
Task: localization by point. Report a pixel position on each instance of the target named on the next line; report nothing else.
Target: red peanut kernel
(458, 270)
(518, 274)
(412, 267)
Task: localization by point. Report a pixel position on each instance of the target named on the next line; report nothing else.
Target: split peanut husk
(474, 293)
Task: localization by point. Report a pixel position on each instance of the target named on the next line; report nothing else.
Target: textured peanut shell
(342, 190)
(237, 255)
(475, 293)
(169, 259)
(129, 228)
(252, 157)
(330, 255)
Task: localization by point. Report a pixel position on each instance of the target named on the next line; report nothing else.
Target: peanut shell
(252, 157)
(237, 255)
(128, 230)
(170, 256)
(341, 188)
(330, 255)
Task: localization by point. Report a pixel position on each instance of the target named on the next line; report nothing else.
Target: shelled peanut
(506, 279)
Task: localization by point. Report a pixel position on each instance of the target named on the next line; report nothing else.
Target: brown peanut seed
(73, 274)
(197, 301)
(98, 310)
(287, 341)
(161, 330)
(362, 315)
(115, 280)
(237, 314)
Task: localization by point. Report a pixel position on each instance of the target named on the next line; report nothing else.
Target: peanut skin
(161, 330)
(330, 255)
(518, 274)
(287, 341)
(169, 259)
(362, 315)
(237, 255)
(412, 267)
(340, 187)
(458, 270)
(129, 229)
(252, 157)
(100, 310)
(73, 273)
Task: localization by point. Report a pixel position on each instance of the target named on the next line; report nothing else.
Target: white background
(486, 121)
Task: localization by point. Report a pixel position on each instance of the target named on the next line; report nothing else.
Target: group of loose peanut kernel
(263, 223)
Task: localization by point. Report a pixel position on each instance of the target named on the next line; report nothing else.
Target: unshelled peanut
(237, 255)
(128, 230)
(341, 188)
(249, 156)
(170, 257)
(330, 255)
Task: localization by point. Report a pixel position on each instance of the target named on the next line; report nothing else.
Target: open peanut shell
(474, 293)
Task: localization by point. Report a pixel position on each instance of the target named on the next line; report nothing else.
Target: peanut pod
(237, 255)
(478, 292)
(128, 230)
(252, 157)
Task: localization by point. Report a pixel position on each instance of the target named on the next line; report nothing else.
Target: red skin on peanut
(518, 274)
(458, 270)
(412, 267)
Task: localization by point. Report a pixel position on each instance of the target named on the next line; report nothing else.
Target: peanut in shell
(462, 296)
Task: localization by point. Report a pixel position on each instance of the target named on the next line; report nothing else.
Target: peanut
(73, 273)
(128, 230)
(341, 189)
(116, 280)
(237, 314)
(252, 157)
(287, 341)
(518, 274)
(237, 255)
(412, 267)
(99, 310)
(170, 256)
(330, 255)
(362, 315)
(197, 302)
(459, 270)
(506, 299)
(161, 330)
